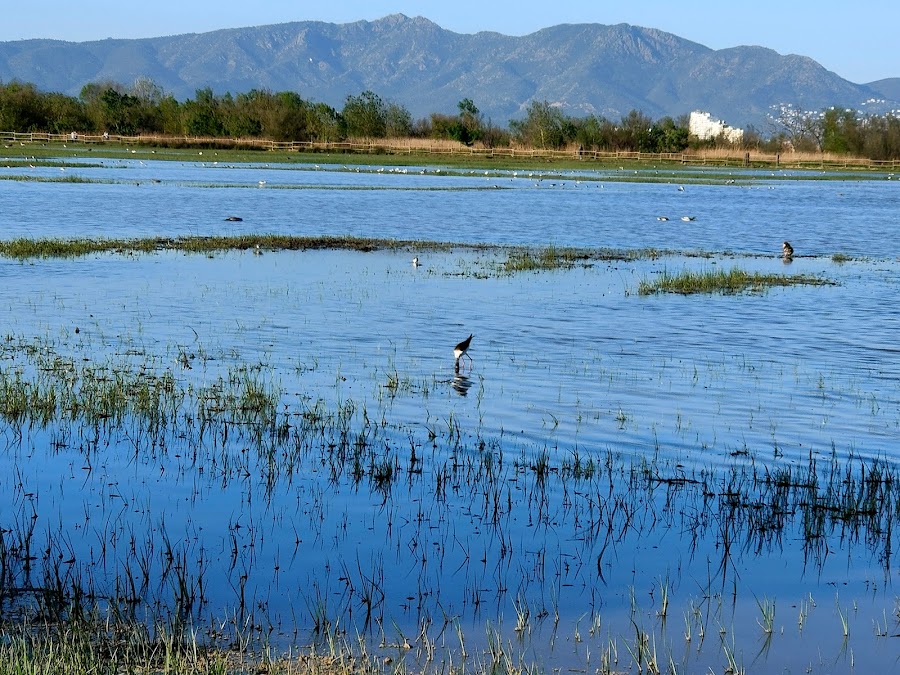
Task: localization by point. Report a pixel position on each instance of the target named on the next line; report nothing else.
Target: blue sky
(855, 40)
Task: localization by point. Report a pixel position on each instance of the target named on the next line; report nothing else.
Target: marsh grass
(730, 281)
(550, 258)
(519, 259)
(23, 249)
(94, 644)
(754, 507)
(67, 178)
(82, 646)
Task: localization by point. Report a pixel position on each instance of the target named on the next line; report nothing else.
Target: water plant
(734, 280)
(549, 258)
(235, 428)
(767, 615)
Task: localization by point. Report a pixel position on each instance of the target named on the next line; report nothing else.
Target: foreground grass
(734, 280)
(89, 645)
(55, 619)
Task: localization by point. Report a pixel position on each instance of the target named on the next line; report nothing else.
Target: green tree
(169, 117)
(594, 133)
(203, 116)
(543, 126)
(636, 133)
(324, 123)
(22, 108)
(397, 121)
(121, 113)
(65, 114)
(840, 131)
(364, 116)
(469, 126)
(669, 136)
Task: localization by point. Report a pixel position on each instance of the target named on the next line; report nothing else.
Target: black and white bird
(787, 251)
(461, 350)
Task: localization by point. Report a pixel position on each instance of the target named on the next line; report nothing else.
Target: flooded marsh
(269, 447)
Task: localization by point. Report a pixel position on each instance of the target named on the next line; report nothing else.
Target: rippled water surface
(568, 365)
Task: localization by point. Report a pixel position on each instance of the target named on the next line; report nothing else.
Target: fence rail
(399, 147)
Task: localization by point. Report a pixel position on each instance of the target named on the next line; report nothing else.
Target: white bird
(688, 218)
(415, 261)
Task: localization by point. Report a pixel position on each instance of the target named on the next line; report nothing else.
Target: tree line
(839, 131)
(143, 108)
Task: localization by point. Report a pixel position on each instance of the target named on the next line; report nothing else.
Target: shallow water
(571, 363)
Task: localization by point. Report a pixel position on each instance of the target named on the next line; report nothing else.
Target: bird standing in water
(460, 350)
(787, 251)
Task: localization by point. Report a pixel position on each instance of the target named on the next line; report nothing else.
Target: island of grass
(730, 281)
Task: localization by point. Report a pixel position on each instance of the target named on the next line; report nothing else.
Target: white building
(704, 126)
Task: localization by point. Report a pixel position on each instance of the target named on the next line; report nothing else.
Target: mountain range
(582, 68)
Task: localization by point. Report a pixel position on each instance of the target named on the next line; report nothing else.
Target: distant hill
(583, 68)
(889, 88)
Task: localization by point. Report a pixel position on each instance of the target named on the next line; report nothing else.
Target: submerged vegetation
(734, 280)
(140, 602)
(196, 477)
(549, 258)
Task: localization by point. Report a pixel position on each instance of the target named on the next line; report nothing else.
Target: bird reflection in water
(461, 384)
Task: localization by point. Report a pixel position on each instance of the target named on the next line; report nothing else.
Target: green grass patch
(62, 178)
(519, 258)
(550, 258)
(24, 249)
(730, 281)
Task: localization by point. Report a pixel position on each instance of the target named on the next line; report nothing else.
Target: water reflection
(461, 384)
(292, 435)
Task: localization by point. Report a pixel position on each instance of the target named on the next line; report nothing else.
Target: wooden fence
(400, 147)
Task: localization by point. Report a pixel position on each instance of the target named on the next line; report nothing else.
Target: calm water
(572, 363)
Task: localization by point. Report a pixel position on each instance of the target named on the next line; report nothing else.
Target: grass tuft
(730, 281)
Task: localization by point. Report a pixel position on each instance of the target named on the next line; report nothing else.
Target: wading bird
(787, 251)
(460, 350)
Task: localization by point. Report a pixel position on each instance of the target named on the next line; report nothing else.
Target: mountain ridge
(599, 69)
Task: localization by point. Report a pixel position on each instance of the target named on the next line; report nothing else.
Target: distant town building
(704, 126)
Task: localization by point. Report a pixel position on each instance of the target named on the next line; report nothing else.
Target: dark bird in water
(787, 251)
(234, 219)
(662, 218)
(461, 350)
